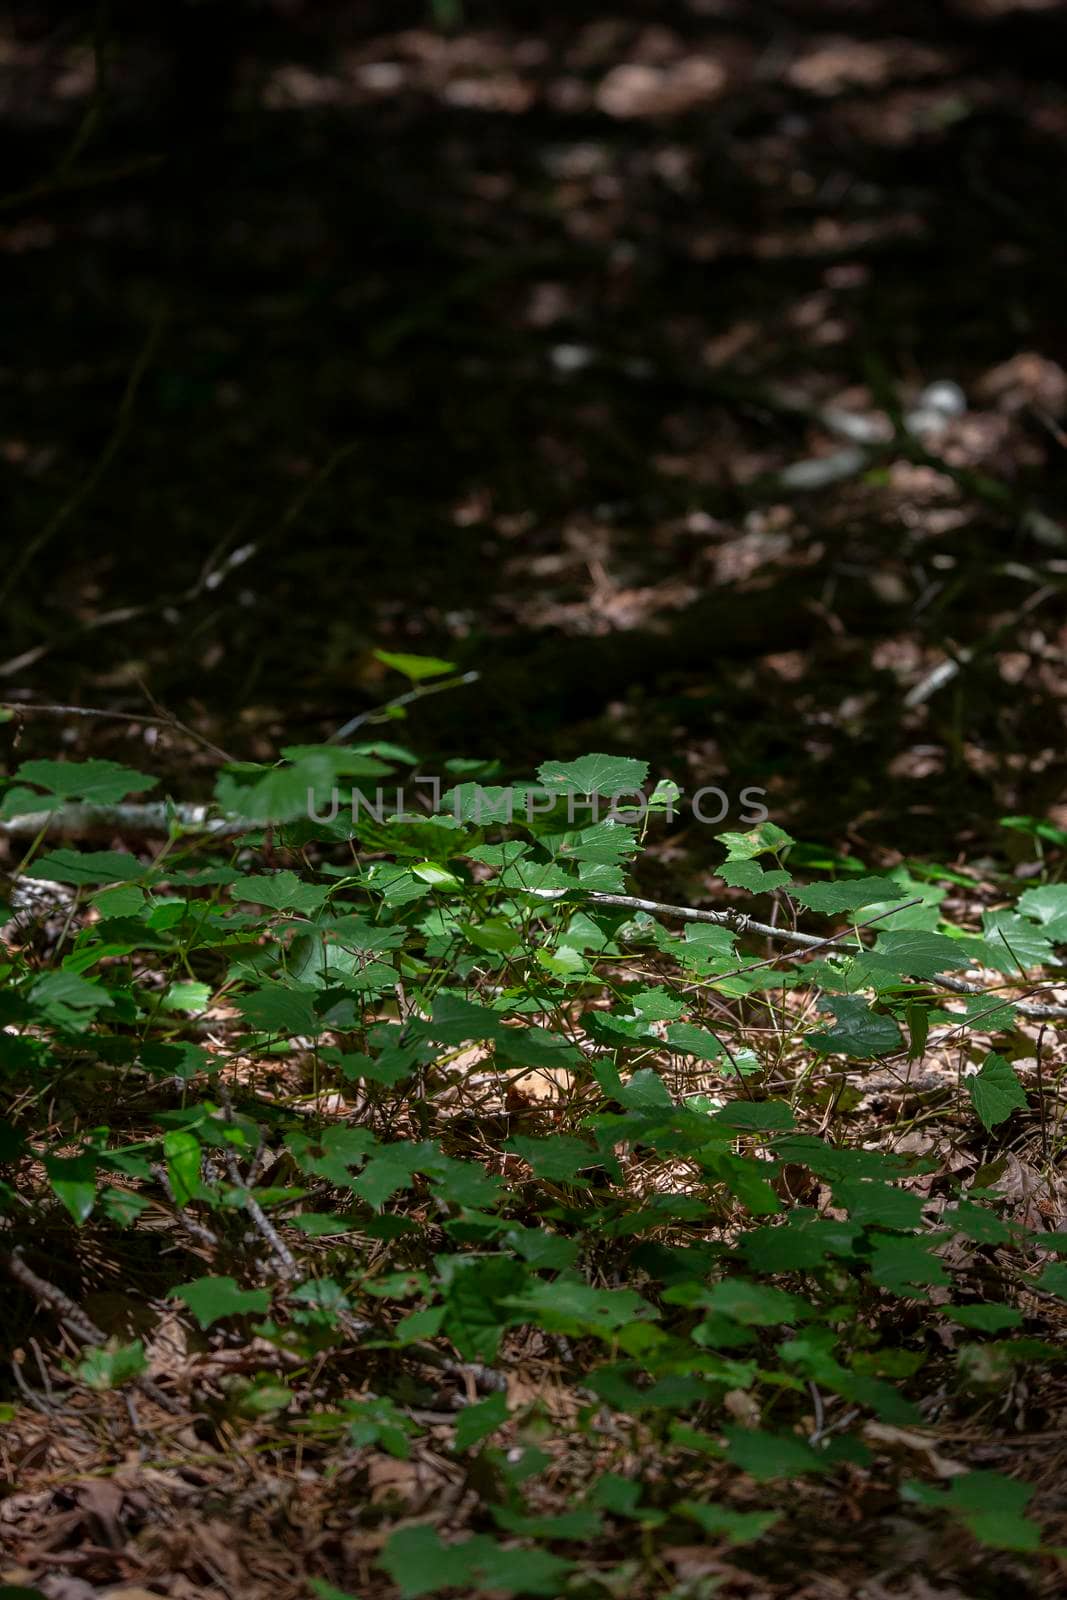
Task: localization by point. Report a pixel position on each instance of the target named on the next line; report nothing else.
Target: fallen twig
(264, 1226)
(745, 924)
(420, 693)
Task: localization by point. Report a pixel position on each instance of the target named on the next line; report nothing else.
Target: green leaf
(455, 1020)
(436, 876)
(978, 1223)
(723, 1522)
(280, 793)
(577, 1308)
(985, 1318)
(657, 1005)
(99, 782)
(767, 1456)
(606, 843)
(559, 1158)
(829, 898)
(73, 1179)
(990, 1505)
(182, 1060)
(803, 1242)
(564, 1525)
(596, 774)
(1012, 944)
(645, 1091)
(181, 1151)
(878, 1205)
(1047, 905)
(325, 763)
(494, 935)
(66, 998)
(622, 1498)
(476, 1290)
(124, 901)
(86, 866)
(860, 1032)
(744, 846)
(756, 1116)
(476, 1422)
(756, 1305)
(995, 1091)
(378, 1421)
(1054, 1279)
(901, 1265)
(916, 954)
(211, 1299)
(414, 667)
(281, 1010)
(693, 1041)
(542, 1249)
(190, 998)
(534, 1047)
(107, 1366)
(282, 891)
(419, 1563)
(750, 875)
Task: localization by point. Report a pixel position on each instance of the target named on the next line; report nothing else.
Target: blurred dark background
(500, 332)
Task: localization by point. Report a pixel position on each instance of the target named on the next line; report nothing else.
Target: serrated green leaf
(281, 891)
(984, 1318)
(98, 782)
(559, 1158)
(750, 875)
(766, 1456)
(110, 1365)
(211, 1299)
(744, 846)
(830, 898)
(595, 774)
(990, 1505)
(859, 1032)
(278, 1009)
(577, 1308)
(419, 1563)
(693, 1041)
(477, 1422)
(723, 1522)
(1047, 906)
(80, 867)
(872, 1204)
(995, 1092)
(190, 998)
(915, 954)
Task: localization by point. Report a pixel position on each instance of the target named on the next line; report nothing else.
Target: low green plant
(312, 1044)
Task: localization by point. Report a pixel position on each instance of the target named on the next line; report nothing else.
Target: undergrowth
(648, 1234)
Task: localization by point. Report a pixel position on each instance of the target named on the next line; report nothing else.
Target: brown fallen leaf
(909, 1439)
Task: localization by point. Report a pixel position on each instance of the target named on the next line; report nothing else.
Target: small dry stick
(264, 1226)
(196, 1229)
(745, 924)
(1041, 1091)
(279, 1249)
